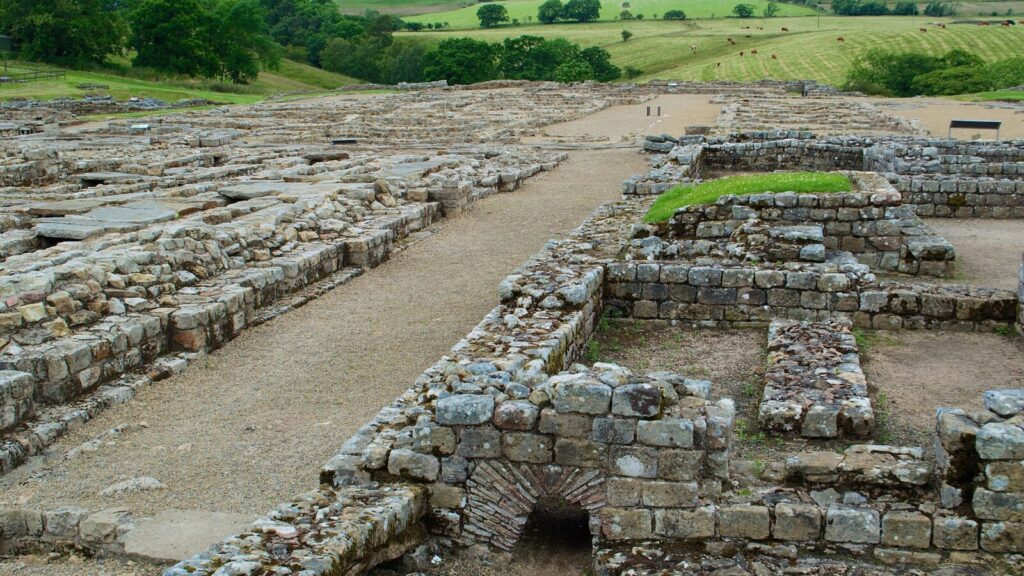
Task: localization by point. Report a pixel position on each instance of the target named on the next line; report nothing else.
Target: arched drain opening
(555, 541)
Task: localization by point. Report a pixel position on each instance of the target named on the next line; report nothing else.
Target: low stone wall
(814, 385)
(1020, 299)
(729, 294)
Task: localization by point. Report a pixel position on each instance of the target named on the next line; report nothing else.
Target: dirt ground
(912, 373)
(988, 252)
(934, 115)
(620, 122)
(31, 565)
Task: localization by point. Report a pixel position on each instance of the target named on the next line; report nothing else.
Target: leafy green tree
(582, 10)
(491, 15)
(63, 31)
(352, 57)
(626, 35)
(174, 36)
(633, 72)
(309, 23)
(575, 70)
(601, 63)
(955, 80)
(1007, 73)
(743, 10)
(462, 61)
(625, 15)
(549, 11)
(905, 9)
(240, 39)
(674, 15)
(772, 9)
(889, 73)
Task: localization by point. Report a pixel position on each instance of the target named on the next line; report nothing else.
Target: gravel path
(250, 427)
(934, 115)
(615, 122)
(988, 252)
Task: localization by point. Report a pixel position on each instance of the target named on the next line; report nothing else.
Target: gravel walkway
(251, 427)
(988, 251)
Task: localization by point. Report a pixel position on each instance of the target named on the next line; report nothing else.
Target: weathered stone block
(634, 461)
(750, 522)
(906, 530)
(955, 533)
(613, 430)
(516, 415)
(464, 409)
(479, 443)
(854, 525)
(667, 432)
(1002, 537)
(1001, 441)
(999, 505)
(526, 447)
(1005, 403)
(566, 425)
(796, 522)
(1005, 476)
(636, 400)
(680, 464)
(685, 524)
(623, 491)
(581, 453)
(621, 524)
(574, 394)
(409, 464)
(670, 494)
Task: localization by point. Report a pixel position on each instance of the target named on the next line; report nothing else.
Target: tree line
(890, 73)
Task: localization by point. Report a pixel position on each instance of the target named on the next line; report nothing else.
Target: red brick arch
(501, 496)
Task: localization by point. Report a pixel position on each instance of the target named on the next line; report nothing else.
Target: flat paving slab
(175, 534)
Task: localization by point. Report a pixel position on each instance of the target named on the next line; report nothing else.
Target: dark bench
(976, 124)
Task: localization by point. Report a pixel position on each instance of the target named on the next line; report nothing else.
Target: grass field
(661, 49)
(526, 10)
(400, 7)
(291, 77)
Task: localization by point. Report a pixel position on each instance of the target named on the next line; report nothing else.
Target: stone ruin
(509, 421)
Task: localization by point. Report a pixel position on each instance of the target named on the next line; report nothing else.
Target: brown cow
(923, 29)
(760, 27)
(731, 41)
(774, 57)
(753, 51)
(718, 64)
(1007, 24)
(785, 29)
(741, 53)
(840, 39)
(982, 23)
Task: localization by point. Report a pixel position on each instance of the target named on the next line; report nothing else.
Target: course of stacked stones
(509, 421)
(819, 113)
(129, 247)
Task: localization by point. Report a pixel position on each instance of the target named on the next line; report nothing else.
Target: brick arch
(501, 496)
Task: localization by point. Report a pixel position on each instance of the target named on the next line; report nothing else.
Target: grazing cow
(1007, 24)
(774, 57)
(943, 26)
(840, 39)
(923, 29)
(982, 23)
(760, 27)
(693, 48)
(785, 29)
(741, 53)
(753, 51)
(749, 36)
(744, 27)
(718, 64)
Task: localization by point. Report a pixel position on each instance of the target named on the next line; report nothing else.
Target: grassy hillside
(526, 10)
(661, 49)
(400, 7)
(292, 76)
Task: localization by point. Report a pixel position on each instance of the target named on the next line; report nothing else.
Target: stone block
(680, 464)
(613, 430)
(999, 505)
(697, 524)
(566, 425)
(634, 461)
(623, 524)
(1001, 441)
(623, 491)
(482, 442)
(580, 453)
(955, 533)
(464, 409)
(574, 394)
(446, 496)
(636, 400)
(1002, 537)
(796, 522)
(1005, 476)
(410, 464)
(660, 494)
(667, 432)
(516, 415)
(526, 447)
(852, 525)
(749, 522)
(101, 527)
(906, 530)
(62, 523)
(1005, 403)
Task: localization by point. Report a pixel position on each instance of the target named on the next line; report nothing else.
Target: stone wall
(1020, 299)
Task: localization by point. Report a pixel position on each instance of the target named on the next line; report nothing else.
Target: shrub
(905, 9)
(626, 35)
(674, 15)
(625, 15)
(957, 80)
(1007, 73)
(743, 10)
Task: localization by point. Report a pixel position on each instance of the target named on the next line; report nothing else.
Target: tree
(626, 35)
(771, 9)
(575, 70)
(955, 80)
(582, 10)
(633, 72)
(461, 61)
(889, 73)
(74, 33)
(674, 15)
(241, 41)
(174, 36)
(625, 15)
(601, 63)
(491, 15)
(905, 9)
(743, 10)
(549, 11)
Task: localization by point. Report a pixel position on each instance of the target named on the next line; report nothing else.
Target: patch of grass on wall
(707, 192)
